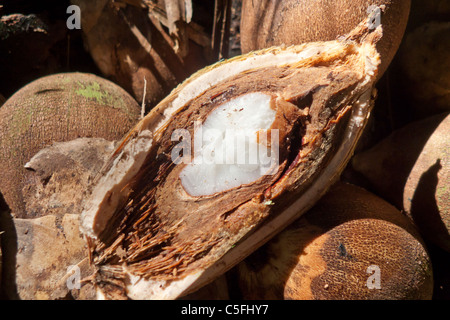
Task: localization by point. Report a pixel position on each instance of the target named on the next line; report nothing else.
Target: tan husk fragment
(149, 239)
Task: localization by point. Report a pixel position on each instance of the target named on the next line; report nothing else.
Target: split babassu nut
(153, 234)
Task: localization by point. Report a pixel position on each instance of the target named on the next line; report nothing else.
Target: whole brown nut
(265, 23)
(166, 226)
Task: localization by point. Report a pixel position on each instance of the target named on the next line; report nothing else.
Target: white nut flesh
(228, 151)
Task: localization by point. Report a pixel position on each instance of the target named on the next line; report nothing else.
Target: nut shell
(32, 270)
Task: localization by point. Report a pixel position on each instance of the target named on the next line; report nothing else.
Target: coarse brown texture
(56, 108)
(411, 169)
(424, 76)
(131, 47)
(266, 23)
(142, 224)
(337, 250)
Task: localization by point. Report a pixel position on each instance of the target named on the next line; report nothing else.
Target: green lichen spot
(93, 91)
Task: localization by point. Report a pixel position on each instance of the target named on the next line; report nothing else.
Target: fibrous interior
(227, 149)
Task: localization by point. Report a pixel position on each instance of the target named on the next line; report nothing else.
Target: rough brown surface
(56, 108)
(333, 250)
(266, 23)
(61, 174)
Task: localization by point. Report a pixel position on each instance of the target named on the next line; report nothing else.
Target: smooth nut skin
(266, 23)
(57, 108)
(335, 250)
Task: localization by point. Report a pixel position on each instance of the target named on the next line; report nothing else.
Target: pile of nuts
(80, 77)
